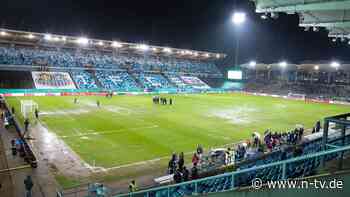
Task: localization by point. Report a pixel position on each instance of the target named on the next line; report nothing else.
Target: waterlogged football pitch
(129, 129)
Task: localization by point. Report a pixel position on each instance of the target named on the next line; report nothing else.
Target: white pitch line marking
(79, 134)
(101, 169)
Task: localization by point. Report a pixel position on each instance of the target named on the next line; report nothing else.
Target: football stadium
(91, 117)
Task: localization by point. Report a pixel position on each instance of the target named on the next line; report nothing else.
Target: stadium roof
(53, 40)
(334, 15)
(306, 66)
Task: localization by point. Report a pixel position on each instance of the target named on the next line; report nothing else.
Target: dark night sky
(190, 24)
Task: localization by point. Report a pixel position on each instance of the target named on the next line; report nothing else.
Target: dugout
(340, 123)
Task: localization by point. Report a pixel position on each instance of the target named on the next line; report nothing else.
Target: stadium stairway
(169, 81)
(139, 83)
(75, 83)
(93, 74)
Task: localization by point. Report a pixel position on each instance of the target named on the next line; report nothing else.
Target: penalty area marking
(79, 134)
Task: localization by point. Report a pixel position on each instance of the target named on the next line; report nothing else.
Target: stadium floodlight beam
(63, 38)
(252, 64)
(274, 15)
(283, 64)
(335, 65)
(143, 47)
(316, 67)
(167, 50)
(3, 33)
(115, 44)
(238, 18)
(82, 41)
(48, 37)
(100, 43)
(154, 49)
(218, 56)
(31, 36)
(264, 16)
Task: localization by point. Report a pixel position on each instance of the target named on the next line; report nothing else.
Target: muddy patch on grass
(236, 115)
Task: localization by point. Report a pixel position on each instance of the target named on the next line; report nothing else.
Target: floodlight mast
(238, 18)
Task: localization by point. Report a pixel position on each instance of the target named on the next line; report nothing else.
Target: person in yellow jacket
(132, 186)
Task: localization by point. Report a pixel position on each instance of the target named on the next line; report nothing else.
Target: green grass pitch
(129, 129)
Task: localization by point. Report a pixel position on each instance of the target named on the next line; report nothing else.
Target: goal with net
(28, 107)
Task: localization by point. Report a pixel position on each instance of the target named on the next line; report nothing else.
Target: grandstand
(103, 115)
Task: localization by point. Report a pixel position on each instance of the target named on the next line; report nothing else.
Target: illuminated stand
(28, 106)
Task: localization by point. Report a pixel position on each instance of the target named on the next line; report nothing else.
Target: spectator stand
(29, 155)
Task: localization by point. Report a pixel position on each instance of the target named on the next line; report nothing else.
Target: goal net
(28, 107)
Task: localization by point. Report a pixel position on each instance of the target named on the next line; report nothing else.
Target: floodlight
(335, 64)
(63, 38)
(218, 56)
(31, 36)
(252, 63)
(274, 15)
(183, 52)
(114, 44)
(82, 40)
(264, 16)
(3, 33)
(195, 54)
(48, 37)
(154, 49)
(334, 40)
(56, 39)
(167, 50)
(238, 18)
(283, 64)
(100, 43)
(143, 47)
(207, 55)
(316, 67)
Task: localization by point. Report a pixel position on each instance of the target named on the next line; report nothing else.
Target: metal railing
(196, 186)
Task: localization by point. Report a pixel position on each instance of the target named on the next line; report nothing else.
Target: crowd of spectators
(252, 148)
(68, 58)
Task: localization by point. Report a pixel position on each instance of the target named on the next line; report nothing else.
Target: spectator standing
(194, 172)
(181, 161)
(26, 124)
(318, 126)
(28, 183)
(200, 151)
(36, 112)
(195, 159)
(172, 164)
(185, 174)
(178, 176)
(132, 186)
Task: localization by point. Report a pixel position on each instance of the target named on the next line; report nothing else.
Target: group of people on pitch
(162, 100)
